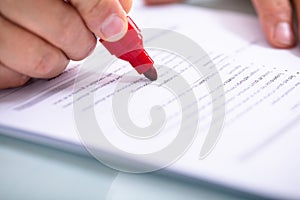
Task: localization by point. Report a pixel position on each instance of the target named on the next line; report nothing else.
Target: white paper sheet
(258, 148)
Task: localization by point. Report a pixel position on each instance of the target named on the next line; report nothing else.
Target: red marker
(130, 48)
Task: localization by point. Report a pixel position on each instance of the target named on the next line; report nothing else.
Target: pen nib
(151, 74)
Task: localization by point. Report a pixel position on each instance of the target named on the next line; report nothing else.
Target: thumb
(276, 20)
(105, 18)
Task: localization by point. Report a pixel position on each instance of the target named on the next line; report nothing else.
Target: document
(257, 148)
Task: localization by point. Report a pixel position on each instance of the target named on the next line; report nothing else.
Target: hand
(38, 38)
(276, 18)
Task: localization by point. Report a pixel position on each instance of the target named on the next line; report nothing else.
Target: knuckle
(85, 50)
(47, 65)
(276, 17)
(10, 78)
(75, 39)
(42, 67)
(276, 11)
(14, 81)
(21, 81)
(276, 14)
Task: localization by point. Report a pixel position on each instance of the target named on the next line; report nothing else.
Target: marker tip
(151, 74)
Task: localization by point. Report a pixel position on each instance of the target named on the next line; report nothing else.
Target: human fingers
(27, 54)
(276, 19)
(105, 18)
(10, 78)
(55, 21)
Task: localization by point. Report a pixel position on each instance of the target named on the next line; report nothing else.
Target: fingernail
(113, 28)
(284, 33)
